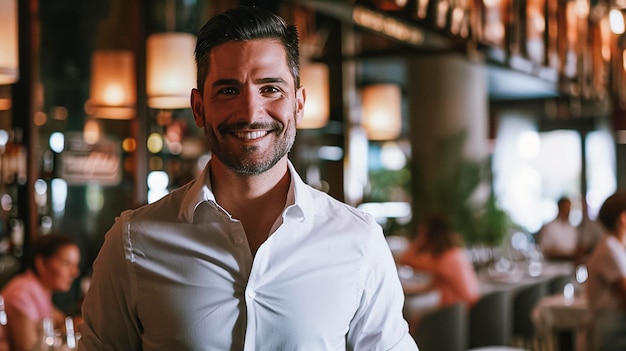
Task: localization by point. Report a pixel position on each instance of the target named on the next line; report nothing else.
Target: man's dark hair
(245, 23)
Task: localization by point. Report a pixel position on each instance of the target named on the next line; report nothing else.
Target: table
(519, 277)
(419, 297)
(555, 313)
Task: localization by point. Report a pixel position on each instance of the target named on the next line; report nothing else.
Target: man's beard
(245, 161)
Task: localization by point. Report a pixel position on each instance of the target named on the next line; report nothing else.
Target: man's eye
(228, 91)
(270, 90)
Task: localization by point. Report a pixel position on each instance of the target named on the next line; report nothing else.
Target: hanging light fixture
(382, 111)
(314, 78)
(170, 69)
(113, 87)
(9, 71)
(170, 65)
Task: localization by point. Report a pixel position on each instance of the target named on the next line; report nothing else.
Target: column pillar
(448, 94)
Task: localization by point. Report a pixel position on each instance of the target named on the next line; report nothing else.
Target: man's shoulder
(165, 207)
(324, 203)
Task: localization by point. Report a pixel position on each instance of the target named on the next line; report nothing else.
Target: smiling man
(247, 256)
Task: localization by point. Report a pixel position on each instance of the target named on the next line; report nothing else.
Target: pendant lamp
(382, 111)
(9, 69)
(314, 78)
(113, 87)
(170, 69)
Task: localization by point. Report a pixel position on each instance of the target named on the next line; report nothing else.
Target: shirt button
(238, 240)
(251, 294)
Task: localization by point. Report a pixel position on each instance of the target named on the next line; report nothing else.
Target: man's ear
(300, 99)
(197, 107)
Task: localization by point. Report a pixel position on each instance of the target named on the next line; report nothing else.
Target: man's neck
(234, 191)
(256, 201)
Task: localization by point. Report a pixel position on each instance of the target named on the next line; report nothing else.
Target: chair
(490, 320)
(523, 302)
(444, 329)
(556, 284)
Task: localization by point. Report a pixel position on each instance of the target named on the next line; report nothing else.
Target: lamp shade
(113, 92)
(9, 69)
(382, 111)
(170, 69)
(314, 78)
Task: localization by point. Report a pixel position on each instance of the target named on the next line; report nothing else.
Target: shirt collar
(199, 191)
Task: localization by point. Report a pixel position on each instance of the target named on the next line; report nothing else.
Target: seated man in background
(558, 238)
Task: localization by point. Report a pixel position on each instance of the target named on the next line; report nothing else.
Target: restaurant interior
(491, 109)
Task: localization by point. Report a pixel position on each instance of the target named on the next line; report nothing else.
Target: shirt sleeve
(109, 322)
(379, 323)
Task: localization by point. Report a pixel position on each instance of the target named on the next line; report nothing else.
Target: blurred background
(488, 110)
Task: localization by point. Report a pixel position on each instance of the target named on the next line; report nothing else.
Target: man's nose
(252, 104)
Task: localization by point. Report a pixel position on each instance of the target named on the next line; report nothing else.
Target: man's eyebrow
(270, 80)
(222, 82)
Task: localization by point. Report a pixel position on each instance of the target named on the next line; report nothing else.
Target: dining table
(419, 297)
(516, 275)
(562, 320)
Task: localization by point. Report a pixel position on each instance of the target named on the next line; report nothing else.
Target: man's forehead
(260, 56)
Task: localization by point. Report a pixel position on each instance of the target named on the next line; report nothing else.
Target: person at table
(606, 283)
(558, 238)
(52, 266)
(438, 250)
(246, 256)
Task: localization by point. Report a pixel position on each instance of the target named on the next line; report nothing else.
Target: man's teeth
(251, 135)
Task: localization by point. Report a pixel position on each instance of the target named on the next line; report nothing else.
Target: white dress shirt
(559, 238)
(178, 275)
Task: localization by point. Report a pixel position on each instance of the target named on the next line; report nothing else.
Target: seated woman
(52, 267)
(438, 250)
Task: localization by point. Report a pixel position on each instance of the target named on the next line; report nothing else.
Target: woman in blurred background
(52, 267)
(438, 251)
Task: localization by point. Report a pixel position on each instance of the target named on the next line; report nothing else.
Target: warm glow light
(170, 69)
(9, 72)
(129, 144)
(113, 88)
(314, 78)
(387, 25)
(382, 111)
(155, 143)
(91, 131)
(616, 21)
(582, 8)
(491, 3)
(605, 35)
(5, 104)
